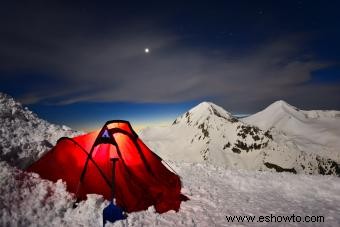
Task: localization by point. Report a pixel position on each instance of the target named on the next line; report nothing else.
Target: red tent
(86, 164)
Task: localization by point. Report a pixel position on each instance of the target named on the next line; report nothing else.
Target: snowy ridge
(208, 133)
(313, 131)
(278, 113)
(23, 136)
(201, 110)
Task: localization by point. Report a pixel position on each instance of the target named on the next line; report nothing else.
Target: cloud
(109, 64)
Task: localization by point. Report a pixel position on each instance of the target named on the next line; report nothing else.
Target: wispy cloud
(112, 66)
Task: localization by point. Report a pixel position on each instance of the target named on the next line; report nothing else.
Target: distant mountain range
(280, 138)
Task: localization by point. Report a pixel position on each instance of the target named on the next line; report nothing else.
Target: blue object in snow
(112, 213)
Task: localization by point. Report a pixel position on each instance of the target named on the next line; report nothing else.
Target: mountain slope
(23, 136)
(208, 133)
(312, 131)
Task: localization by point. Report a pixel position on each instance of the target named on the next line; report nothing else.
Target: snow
(209, 134)
(27, 200)
(218, 181)
(313, 131)
(214, 192)
(23, 136)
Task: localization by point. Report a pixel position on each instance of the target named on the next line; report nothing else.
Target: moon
(146, 50)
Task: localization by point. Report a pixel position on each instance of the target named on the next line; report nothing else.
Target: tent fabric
(85, 163)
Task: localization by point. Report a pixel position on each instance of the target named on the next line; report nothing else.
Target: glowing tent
(114, 156)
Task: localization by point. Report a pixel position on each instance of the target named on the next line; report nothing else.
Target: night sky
(81, 63)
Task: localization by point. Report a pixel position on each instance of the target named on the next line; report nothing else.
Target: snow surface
(312, 131)
(214, 192)
(23, 136)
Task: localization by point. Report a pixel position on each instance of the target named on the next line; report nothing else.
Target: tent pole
(113, 177)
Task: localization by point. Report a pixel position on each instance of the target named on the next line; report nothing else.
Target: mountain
(23, 136)
(279, 138)
(208, 133)
(312, 131)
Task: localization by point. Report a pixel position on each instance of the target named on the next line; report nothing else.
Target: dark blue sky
(83, 62)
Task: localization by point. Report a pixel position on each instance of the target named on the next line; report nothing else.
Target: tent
(113, 158)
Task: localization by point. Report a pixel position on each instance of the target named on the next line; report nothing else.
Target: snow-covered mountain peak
(206, 106)
(281, 103)
(207, 133)
(211, 109)
(281, 111)
(312, 132)
(281, 106)
(205, 111)
(276, 114)
(280, 114)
